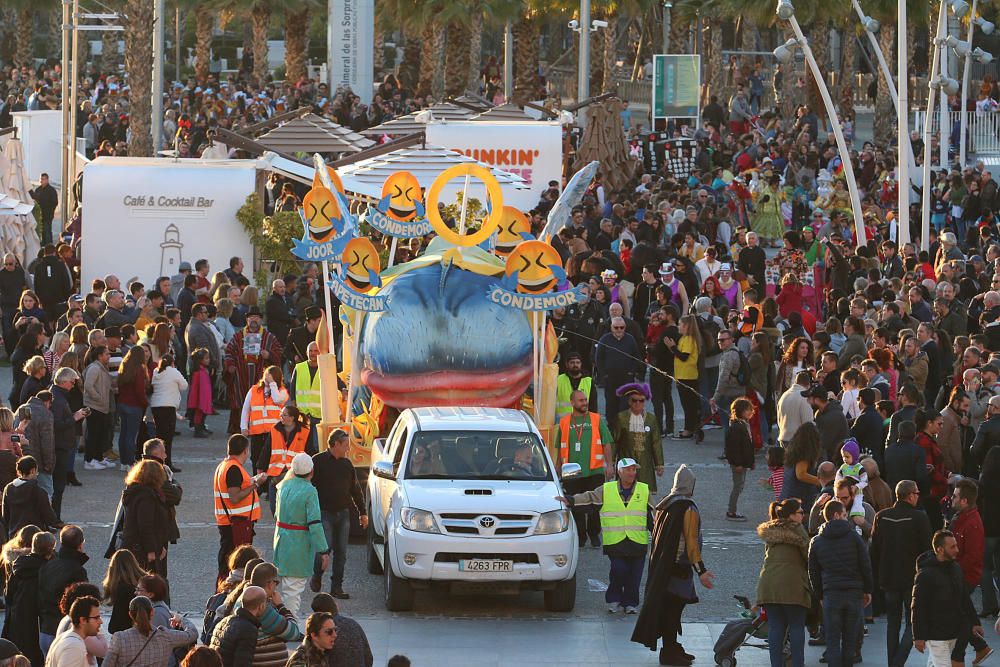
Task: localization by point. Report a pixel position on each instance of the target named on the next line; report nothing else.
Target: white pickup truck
(466, 496)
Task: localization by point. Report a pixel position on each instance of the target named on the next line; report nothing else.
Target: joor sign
(676, 86)
(350, 42)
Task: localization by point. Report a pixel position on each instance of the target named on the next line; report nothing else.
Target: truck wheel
(374, 566)
(398, 592)
(562, 597)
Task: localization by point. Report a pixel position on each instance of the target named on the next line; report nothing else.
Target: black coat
(63, 424)
(235, 638)
(66, 568)
(867, 429)
(941, 607)
(21, 624)
(906, 460)
(838, 559)
(900, 534)
(147, 522)
(739, 445)
(987, 436)
(52, 282)
(279, 320)
(25, 503)
(667, 529)
(905, 413)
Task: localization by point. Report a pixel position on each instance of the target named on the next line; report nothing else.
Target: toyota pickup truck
(465, 497)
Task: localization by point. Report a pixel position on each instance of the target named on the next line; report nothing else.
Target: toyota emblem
(487, 521)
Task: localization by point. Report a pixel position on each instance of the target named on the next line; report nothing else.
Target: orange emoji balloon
(361, 264)
(533, 261)
(335, 181)
(320, 207)
(403, 191)
(512, 224)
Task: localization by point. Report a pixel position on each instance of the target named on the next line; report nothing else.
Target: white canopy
(18, 233)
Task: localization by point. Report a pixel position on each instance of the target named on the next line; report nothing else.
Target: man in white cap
(626, 519)
(678, 295)
(298, 534)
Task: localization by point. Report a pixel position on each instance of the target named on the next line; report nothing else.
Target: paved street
(502, 630)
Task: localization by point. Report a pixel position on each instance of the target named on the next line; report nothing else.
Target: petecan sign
(529, 149)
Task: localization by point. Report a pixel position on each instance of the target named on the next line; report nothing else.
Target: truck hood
(446, 495)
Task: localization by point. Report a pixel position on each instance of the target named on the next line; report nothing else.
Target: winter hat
(851, 447)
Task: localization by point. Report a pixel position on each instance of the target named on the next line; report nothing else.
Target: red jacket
(968, 529)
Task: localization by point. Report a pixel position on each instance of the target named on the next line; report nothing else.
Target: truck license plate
(485, 566)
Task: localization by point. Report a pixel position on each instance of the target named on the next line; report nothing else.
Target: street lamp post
(508, 61)
(987, 29)
(786, 12)
(583, 75)
(667, 18)
(66, 112)
(903, 128)
(156, 107)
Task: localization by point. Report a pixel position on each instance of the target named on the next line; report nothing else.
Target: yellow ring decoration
(490, 224)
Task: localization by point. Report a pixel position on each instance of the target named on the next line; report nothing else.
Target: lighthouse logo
(170, 255)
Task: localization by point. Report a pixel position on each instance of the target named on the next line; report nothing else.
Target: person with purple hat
(636, 433)
(852, 468)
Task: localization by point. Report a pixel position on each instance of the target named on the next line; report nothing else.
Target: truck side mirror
(569, 470)
(385, 470)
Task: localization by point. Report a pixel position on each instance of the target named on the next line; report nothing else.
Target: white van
(467, 496)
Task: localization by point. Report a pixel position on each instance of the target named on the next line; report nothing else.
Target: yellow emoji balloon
(403, 192)
(320, 207)
(532, 261)
(361, 263)
(512, 223)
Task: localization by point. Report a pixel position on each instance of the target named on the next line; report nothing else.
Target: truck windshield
(479, 455)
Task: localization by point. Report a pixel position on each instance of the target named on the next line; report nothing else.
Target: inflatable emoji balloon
(537, 266)
(335, 181)
(513, 224)
(361, 264)
(320, 209)
(401, 196)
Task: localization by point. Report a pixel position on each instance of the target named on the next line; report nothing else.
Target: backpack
(709, 334)
(212, 618)
(743, 372)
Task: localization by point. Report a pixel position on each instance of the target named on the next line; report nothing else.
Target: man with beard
(674, 559)
(573, 380)
(251, 350)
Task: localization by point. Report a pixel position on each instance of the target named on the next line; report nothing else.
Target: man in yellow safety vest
(584, 438)
(305, 389)
(626, 519)
(569, 382)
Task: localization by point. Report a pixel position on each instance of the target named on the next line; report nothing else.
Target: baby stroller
(736, 633)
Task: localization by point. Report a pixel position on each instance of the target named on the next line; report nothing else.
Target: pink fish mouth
(490, 389)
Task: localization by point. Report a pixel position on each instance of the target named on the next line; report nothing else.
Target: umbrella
(18, 234)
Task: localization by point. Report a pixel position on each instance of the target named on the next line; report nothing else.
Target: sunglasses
(618, 328)
(637, 400)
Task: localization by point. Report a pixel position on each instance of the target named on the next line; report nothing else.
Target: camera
(574, 24)
(15, 438)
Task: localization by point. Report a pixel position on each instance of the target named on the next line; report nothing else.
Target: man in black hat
(300, 337)
(248, 353)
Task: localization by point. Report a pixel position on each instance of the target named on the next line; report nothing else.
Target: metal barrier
(983, 131)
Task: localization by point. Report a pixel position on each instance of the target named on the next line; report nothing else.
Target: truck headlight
(549, 523)
(420, 521)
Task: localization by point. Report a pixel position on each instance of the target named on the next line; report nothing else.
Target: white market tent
(314, 134)
(18, 233)
(504, 113)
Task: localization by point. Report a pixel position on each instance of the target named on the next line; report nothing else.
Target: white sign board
(350, 43)
(39, 132)
(143, 216)
(531, 150)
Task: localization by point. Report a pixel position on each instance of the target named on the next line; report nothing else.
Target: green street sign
(676, 86)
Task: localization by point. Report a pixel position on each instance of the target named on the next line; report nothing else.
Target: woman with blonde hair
(224, 311)
(119, 585)
(75, 398)
(160, 344)
(36, 378)
(687, 362)
(58, 346)
(147, 520)
(79, 339)
(18, 545)
(248, 299)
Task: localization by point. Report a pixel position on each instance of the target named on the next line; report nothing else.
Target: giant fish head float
(443, 342)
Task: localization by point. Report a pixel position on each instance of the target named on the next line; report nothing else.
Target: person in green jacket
(298, 534)
(783, 586)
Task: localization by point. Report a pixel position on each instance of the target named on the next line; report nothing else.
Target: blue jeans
(991, 565)
(45, 482)
(130, 416)
(623, 585)
(897, 615)
(312, 442)
(45, 642)
(842, 620)
(782, 618)
(337, 526)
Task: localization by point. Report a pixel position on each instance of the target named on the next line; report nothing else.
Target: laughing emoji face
(361, 264)
(533, 262)
(403, 193)
(321, 209)
(512, 225)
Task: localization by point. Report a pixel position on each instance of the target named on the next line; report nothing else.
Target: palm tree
(138, 31)
(24, 33)
(203, 26)
(296, 39)
(525, 30)
(260, 19)
(476, 20)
